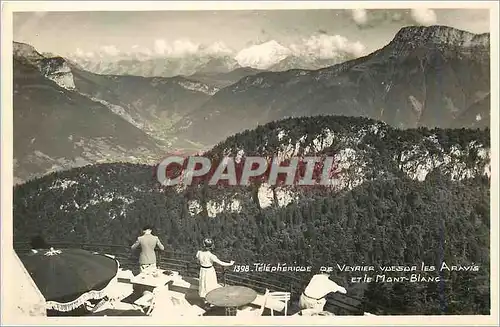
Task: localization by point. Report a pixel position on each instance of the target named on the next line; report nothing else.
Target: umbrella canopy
(69, 277)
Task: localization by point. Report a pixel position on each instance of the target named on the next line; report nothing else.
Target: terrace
(134, 294)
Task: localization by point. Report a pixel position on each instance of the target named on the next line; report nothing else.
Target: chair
(280, 296)
(118, 291)
(314, 312)
(117, 309)
(92, 308)
(167, 304)
(250, 311)
(153, 300)
(146, 300)
(309, 312)
(115, 293)
(324, 313)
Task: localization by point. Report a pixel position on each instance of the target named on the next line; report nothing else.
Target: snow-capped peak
(262, 56)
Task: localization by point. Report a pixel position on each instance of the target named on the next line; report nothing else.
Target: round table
(231, 297)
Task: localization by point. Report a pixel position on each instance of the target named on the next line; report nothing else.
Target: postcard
(222, 163)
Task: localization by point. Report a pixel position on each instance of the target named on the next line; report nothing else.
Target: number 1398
(241, 268)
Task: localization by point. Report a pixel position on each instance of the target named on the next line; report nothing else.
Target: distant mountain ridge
(57, 128)
(154, 104)
(151, 104)
(159, 67)
(433, 76)
(320, 50)
(222, 80)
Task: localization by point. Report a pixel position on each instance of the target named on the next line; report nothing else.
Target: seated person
(314, 296)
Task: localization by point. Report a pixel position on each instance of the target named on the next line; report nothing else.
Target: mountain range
(426, 76)
(159, 67)
(153, 104)
(221, 80)
(56, 127)
(269, 55)
(433, 76)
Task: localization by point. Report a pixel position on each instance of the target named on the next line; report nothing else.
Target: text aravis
(471, 267)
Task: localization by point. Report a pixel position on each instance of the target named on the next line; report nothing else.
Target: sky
(176, 33)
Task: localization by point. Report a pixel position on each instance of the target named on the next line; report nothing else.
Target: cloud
(110, 50)
(160, 47)
(79, 53)
(181, 48)
(146, 52)
(397, 17)
(359, 16)
(178, 48)
(263, 55)
(424, 16)
(138, 52)
(328, 47)
(217, 48)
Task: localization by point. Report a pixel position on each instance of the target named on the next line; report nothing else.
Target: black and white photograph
(250, 162)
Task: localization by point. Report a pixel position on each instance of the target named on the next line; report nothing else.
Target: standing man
(148, 242)
(314, 296)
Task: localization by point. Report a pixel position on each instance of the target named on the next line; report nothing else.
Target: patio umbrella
(68, 278)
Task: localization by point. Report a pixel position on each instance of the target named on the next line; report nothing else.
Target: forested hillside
(392, 216)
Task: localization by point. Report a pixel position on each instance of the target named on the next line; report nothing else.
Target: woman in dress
(208, 278)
